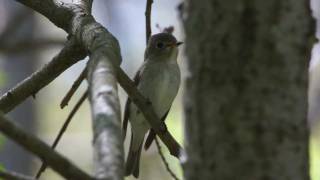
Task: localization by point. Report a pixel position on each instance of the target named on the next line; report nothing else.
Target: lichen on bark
(246, 90)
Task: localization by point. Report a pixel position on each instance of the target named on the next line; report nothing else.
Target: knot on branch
(97, 39)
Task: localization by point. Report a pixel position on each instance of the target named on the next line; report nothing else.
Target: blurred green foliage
(315, 158)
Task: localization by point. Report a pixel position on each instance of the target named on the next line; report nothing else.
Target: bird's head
(163, 46)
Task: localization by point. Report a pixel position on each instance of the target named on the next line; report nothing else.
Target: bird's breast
(160, 84)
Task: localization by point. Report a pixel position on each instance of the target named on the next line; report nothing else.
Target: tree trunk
(246, 91)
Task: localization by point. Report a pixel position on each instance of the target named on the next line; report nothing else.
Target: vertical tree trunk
(246, 92)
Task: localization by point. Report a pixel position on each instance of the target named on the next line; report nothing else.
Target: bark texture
(105, 106)
(246, 90)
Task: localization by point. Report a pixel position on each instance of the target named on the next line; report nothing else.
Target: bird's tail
(133, 160)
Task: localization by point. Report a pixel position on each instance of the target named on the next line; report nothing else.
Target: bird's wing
(136, 80)
(152, 134)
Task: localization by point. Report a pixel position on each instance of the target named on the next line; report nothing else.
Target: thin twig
(165, 162)
(74, 88)
(31, 143)
(10, 175)
(148, 19)
(63, 129)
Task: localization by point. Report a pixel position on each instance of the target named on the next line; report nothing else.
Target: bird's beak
(179, 43)
(175, 44)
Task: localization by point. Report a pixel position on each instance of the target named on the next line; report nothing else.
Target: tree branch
(60, 14)
(105, 106)
(68, 56)
(87, 31)
(4, 174)
(74, 88)
(104, 49)
(148, 19)
(104, 63)
(85, 4)
(36, 146)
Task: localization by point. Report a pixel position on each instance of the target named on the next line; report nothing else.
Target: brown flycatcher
(158, 79)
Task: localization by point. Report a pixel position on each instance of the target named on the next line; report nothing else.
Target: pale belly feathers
(160, 84)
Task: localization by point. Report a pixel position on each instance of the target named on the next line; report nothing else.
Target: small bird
(158, 79)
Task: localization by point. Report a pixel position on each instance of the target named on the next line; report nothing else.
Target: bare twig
(63, 129)
(148, 19)
(74, 88)
(10, 175)
(165, 162)
(68, 56)
(105, 107)
(36, 146)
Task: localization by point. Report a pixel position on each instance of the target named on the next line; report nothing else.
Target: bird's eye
(160, 45)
